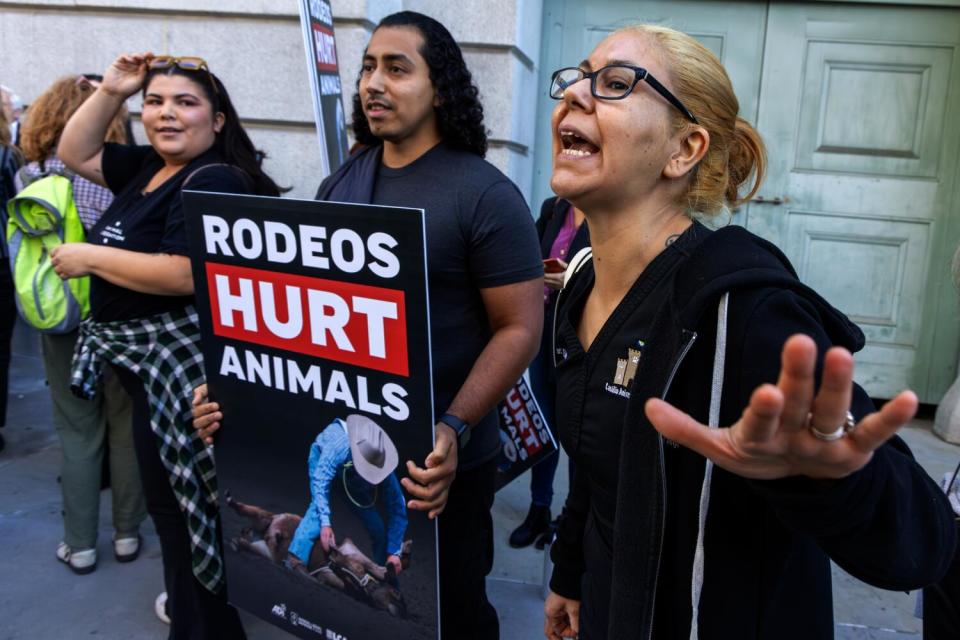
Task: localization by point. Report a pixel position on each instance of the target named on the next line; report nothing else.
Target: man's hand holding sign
(516, 319)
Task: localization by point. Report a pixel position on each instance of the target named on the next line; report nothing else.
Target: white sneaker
(126, 549)
(160, 607)
(80, 562)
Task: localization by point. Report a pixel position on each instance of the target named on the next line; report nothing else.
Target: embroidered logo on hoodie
(625, 371)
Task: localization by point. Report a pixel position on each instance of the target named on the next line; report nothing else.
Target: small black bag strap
(45, 172)
(55, 171)
(243, 174)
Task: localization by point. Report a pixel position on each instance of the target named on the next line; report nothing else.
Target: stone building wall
(256, 47)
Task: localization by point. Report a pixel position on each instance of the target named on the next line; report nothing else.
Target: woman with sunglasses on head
(674, 529)
(143, 322)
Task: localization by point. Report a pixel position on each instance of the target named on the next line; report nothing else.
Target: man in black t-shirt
(418, 115)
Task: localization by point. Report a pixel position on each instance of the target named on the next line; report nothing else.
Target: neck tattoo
(671, 239)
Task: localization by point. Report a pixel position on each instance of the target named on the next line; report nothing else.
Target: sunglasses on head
(185, 63)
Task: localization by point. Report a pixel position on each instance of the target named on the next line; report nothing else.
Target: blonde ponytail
(736, 150)
(747, 156)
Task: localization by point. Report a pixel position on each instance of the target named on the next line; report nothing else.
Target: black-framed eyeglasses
(186, 63)
(613, 82)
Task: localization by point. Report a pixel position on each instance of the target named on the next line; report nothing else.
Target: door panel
(873, 109)
(872, 268)
(853, 106)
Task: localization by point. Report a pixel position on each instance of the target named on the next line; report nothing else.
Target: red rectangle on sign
(326, 48)
(356, 324)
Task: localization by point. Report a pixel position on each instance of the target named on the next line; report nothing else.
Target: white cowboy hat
(373, 452)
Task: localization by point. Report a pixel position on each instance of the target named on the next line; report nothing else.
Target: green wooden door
(855, 107)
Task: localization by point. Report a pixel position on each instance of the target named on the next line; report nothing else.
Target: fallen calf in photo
(344, 567)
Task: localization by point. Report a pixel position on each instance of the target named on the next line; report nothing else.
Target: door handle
(776, 200)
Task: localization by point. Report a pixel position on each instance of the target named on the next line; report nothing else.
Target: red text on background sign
(344, 322)
(326, 48)
(526, 426)
(320, 10)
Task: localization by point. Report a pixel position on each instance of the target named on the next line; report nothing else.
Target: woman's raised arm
(81, 144)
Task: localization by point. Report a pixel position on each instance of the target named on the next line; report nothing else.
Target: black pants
(195, 612)
(8, 318)
(466, 557)
(595, 585)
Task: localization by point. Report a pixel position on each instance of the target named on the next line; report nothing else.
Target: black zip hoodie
(767, 544)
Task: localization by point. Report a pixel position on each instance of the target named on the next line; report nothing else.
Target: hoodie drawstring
(716, 391)
(576, 263)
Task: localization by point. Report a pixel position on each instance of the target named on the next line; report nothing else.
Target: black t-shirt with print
(479, 234)
(148, 222)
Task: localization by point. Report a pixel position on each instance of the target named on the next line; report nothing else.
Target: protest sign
(316, 20)
(316, 345)
(525, 437)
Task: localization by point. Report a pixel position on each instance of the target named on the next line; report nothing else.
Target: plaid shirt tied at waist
(162, 350)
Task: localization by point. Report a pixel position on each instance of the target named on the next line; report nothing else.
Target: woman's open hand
(775, 438)
(125, 75)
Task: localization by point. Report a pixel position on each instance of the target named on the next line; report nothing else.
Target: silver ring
(849, 424)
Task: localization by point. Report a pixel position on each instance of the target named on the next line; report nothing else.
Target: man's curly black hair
(459, 114)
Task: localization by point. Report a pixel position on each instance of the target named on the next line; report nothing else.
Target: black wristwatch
(461, 428)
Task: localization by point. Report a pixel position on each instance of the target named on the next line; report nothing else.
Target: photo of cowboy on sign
(361, 454)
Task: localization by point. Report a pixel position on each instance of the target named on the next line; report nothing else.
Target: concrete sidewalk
(40, 599)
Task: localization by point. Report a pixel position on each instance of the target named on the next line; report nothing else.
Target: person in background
(85, 428)
(676, 527)
(562, 234)
(12, 108)
(141, 292)
(10, 160)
